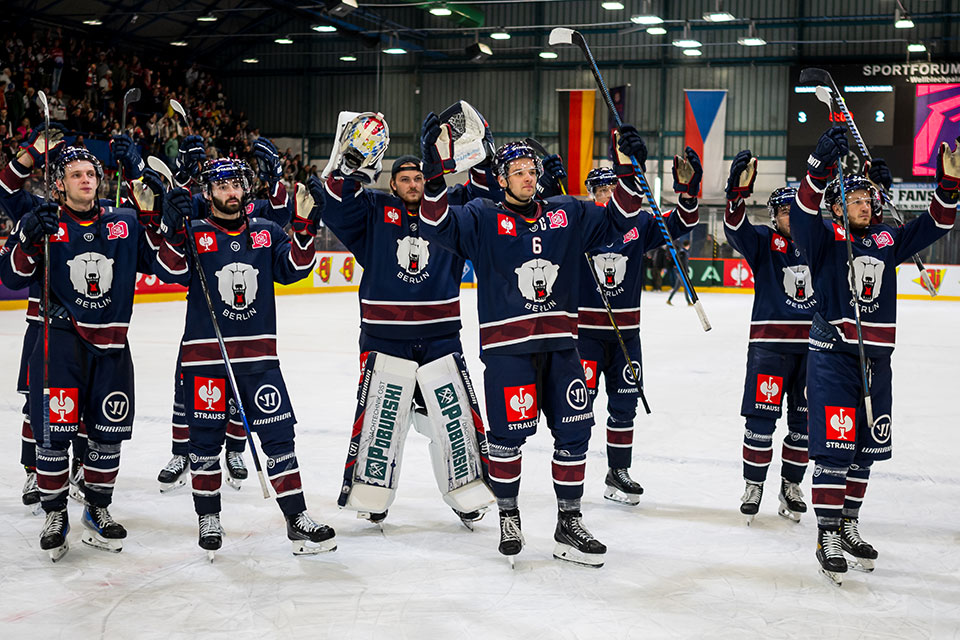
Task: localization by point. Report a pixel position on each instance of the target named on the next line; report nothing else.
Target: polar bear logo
(535, 279)
(91, 274)
(237, 284)
(797, 283)
(413, 254)
(868, 275)
(611, 268)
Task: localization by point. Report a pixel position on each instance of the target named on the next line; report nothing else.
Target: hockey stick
(176, 106)
(823, 77)
(825, 97)
(539, 148)
(131, 96)
(42, 97)
(161, 167)
(563, 35)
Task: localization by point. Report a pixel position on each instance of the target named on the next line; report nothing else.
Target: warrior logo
(521, 402)
(91, 274)
(627, 372)
(841, 423)
(769, 389)
(208, 394)
(535, 279)
(797, 283)
(413, 254)
(881, 429)
(590, 372)
(611, 268)
(868, 274)
(577, 395)
(267, 398)
(116, 406)
(237, 284)
(63, 405)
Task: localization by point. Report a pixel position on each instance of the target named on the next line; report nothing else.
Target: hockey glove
(879, 173)
(269, 166)
(743, 173)
(629, 143)
(687, 174)
(128, 156)
(189, 157)
(436, 148)
(42, 221)
(948, 173)
(833, 145)
(307, 209)
(35, 142)
(177, 206)
(147, 194)
(553, 169)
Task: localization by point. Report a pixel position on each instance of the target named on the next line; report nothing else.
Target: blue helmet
(854, 183)
(514, 151)
(74, 154)
(226, 169)
(780, 197)
(599, 177)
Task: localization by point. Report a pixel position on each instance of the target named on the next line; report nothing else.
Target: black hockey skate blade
(815, 74)
(57, 554)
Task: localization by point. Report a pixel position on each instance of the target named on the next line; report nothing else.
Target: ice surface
(681, 564)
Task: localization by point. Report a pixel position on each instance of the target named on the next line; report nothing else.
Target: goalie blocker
(452, 424)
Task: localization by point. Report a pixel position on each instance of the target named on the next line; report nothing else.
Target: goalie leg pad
(458, 446)
(380, 427)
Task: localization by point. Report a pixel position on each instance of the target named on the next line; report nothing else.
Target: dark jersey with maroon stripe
(240, 268)
(619, 266)
(783, 297)
(876, 255)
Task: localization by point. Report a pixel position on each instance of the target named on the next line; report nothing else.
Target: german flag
(576, 136)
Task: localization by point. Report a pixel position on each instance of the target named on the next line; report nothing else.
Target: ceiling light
(500, 35)
(348, 58)
(178, 43)
(612, 6)
(751, 39)
(656, 31)
(93, 22)
(441, 10)
(207, 18)
(395, 51)
(686, 41)
(478, 51)
(692, 52)
(901, 19)
(324, 28)
(548, 55)
(251, 60)
(916, 47)
(339, 8)
(646, 15)
(283, 40)
(718, 16)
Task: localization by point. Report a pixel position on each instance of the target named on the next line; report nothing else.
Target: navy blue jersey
(240, 268)
(410, 287)
(619, 266)
(783, 290)
(528, 269)
(876, 254)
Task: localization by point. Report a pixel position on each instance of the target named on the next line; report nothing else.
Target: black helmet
(226, 169)
(599, 177)
(74, 154)
(514, 151)
(855, 183)
(779, 197)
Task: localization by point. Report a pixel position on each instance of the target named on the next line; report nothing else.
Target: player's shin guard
(568, 473)
(284, 473)
(80, 442)
(619, 443)
(857, 478)
(757, 448)
(180, 440)
(206, 478)
(458, 443)
(372, 469)
(829, 487)
(794, 453)
(100, 467)
(53, 477)
(236, 437)
(505, 464)
(28, 446)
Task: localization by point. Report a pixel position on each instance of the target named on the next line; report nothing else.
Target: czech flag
(577, 136)
(704, 129)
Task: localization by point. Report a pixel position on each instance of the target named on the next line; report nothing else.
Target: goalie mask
(472, 140)
(850, 184)
(75, 154)
(362, 144)
(222, 169)
(782, 196)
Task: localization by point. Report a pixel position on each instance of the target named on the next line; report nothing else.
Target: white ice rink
(681, 564)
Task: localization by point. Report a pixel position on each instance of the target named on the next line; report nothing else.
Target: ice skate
(830, 555)
(101, 531)
(308, 536)
(174, 475)
(621, 487)
(792, 505)
(53, 537)
(750, 500)
(76, 480)
(236, 469)
(511, 538)
(375, 518)
(575, 543)
(862, 552)
(469, 517)
(211, 534)
(31, 493)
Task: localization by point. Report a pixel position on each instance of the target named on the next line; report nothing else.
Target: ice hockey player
(618, 267)
(843, 441)
(96, 253)
(683, 254)
(527, 253)
(241, 258)
(277, 207)
(409, 338)
(783, 306)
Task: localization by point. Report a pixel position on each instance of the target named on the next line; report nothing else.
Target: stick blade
(561, 35)
(42, 97)
(178, 107)
(824, 94)
(133, 95)
(814, 74)
(160, 167)
(536, 146)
